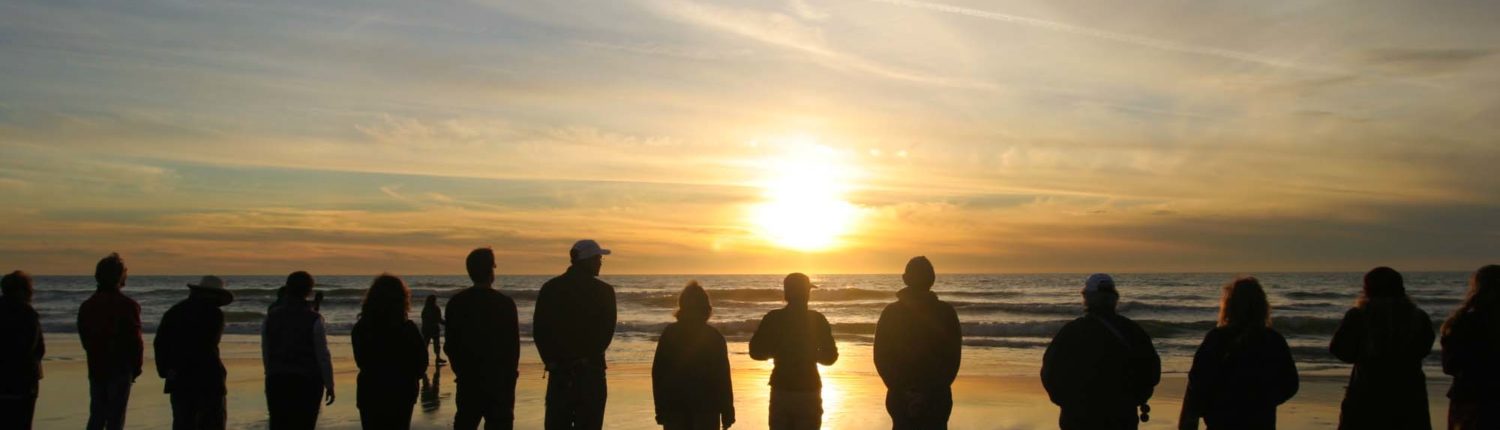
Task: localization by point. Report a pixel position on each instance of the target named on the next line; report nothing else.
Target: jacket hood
(914, 295)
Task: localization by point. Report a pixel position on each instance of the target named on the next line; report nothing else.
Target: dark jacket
(187, 347)
(918, 342)
(484, 337)
(1099, 377)
(1239, 377)
(690, 373)
(432, 320)
(1386, 341)
(1471, 353)
(574, 320)
(21, 349)
(109, 324)
(293, 342)
(392, 358)
(799, 339)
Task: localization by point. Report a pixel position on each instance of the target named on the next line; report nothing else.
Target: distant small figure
(1386, 337)
(484, 344)
(187, 356)
(294, 350)
(918, 348)
(1244, 368)
(390, 354)
(317, 301)
(798, 339)
(573, 326)
(280, 298)
(21, 351)
(432, 327)
(690, 371)
(1471, 352)
(109, 324)
(1102, 366)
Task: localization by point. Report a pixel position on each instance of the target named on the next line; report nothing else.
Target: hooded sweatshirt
(918, 342)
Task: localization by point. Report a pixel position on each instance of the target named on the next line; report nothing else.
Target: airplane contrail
(1165, 45)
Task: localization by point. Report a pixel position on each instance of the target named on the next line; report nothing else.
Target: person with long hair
(390, 353)
(690, 371)
(1471, 353)
(1243, 369)
(1386, 337)
(21, 351)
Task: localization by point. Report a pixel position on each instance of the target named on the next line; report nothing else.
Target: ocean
(1009, 317)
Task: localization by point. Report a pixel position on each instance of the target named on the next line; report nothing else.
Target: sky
(824, 136)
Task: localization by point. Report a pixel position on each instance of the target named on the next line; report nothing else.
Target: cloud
(1422, 62)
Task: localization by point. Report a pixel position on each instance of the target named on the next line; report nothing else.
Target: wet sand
(989, 393)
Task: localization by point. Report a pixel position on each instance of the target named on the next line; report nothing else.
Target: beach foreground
(989, 393)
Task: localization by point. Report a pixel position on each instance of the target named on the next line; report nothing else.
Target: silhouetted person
(573, 326)
(1102, 366)
(391, 356)
(1471, 353)
(1386, 337)
(1243, 369)
(918, 347)
(690, 371)
(109, 324)
(294, 349)
(484, 346)
(432, 327)
(317, 303)
(798, 339)
(187, 356)
(21, 351)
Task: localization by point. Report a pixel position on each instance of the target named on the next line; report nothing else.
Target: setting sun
(804, 190)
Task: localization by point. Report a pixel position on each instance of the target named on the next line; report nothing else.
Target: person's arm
(1348, 337)
(510, 330)
(457, 342)
(1065, 368)
(325, 360)
(541, 326)
(41, 343)
(952, 346)
(1456, 351)
(162, 345)
(1286, 379)
(1205, 367)
(828, 350)
(136, 343)
(765, 339)
(1150, 365)
(661, 367)
(418, 350)
(1422, 346)
(610, 318)
(726, 382)
(265, 345)
(888, 344)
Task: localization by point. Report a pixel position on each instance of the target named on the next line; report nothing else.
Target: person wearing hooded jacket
(918, 347)
(1102, 366)
(1386, 337)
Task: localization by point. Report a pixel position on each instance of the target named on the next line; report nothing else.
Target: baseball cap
(586, 249)
(797, 280)
(1098, 281)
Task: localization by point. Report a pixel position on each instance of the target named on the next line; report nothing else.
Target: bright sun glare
(804, 190)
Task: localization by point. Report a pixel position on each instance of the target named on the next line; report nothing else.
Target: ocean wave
(1317, 295)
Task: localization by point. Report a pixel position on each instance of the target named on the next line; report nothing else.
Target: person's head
(299, 284)
(587, 257)
(919, 274)
(1382, 283)
(387, 299)
(1244, 304)
(1099, 293)
(431, 301)
(797, 289)
(17, 286)
(693, 305)
(1483, 295)
(481, 265)
(109, 274)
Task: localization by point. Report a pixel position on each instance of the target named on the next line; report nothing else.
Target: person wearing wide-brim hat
(187, 355)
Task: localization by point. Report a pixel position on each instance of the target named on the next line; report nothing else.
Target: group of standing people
(1101, 369)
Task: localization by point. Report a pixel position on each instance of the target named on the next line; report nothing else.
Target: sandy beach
(989, 393)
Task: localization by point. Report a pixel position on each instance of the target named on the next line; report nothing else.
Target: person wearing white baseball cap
(573, 325)
(187, 355)
(1102, 366)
